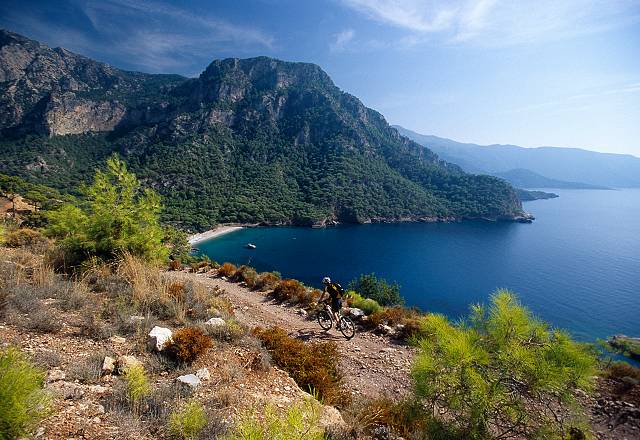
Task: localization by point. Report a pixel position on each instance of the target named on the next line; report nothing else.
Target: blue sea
(577, 265)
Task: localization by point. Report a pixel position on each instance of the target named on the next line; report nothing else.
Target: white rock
(190, 380)
(356, 312)
(55, 375)
(215, 322)
(159, 337)
(108, 365)
(136, 318)
(203, 374)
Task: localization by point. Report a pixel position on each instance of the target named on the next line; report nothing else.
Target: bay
(577, 265)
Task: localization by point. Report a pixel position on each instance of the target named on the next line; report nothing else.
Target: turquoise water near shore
(577, 266)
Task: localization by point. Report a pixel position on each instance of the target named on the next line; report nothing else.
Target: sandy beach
(220, 230)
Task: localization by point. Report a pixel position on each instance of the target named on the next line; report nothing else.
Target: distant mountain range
(250, 140)
(542, 167)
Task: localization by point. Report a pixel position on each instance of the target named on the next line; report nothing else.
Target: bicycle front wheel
(324, 319)
(347, 327)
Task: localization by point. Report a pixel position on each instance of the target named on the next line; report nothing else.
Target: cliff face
(56, 92)
(248, 140)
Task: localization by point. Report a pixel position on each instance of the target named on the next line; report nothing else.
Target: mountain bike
(327, 320)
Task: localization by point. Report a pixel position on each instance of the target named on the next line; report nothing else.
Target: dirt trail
(372, 365)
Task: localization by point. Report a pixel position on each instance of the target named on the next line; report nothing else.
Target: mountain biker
(335, 292)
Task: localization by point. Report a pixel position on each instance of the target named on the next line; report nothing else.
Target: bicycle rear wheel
(324, 319)
(347, 327)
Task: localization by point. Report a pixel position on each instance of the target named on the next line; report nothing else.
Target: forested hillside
(253, 140)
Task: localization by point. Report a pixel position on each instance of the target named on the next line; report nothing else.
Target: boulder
(331, 419)
(126, 361)
(203, 374)
(356, 312)
(55, 376)
(190, 380)
(67, 390)
(158, 339)
(215, 322)
(384, 329)
(108, 365)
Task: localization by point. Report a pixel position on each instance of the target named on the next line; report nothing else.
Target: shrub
(370, 286)
(619, 370)
(227, 270)
(367, 305)
(187, 422)
(266, 281)
(300, 421)
(289, 290)
(391, 316)
(175, 265)
(87, 370)
(503, 371)
(313, 366)
(42, 319)
(188, 343)
(118, 216)
(23, 402)
(25, 237)
(231, 331)
(137, 385)
(246, 274)
(404, 417)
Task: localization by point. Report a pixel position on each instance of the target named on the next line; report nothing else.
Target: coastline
(212, 233)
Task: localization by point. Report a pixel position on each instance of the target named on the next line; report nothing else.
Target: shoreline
(212, 233)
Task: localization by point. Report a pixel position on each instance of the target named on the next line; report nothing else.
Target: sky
(531, 73)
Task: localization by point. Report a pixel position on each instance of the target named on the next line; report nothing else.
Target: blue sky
(531, 73)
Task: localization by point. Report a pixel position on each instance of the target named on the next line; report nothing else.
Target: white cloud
(341, 40)
(497, 22)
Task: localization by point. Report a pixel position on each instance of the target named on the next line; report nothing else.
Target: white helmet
(326, 280)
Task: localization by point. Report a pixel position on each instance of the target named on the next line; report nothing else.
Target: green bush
(501, 372)
(138, 385)
(117, 217)
(23, 402)
(367, 305)
(298, 422)
(378, 289)
(187, 422)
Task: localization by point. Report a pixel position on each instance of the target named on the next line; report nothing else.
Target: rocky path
(372, 365)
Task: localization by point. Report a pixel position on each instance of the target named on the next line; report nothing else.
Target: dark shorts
(336, 304)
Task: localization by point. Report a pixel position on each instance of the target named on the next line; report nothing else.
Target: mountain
(249, 140)
(570, 165)
(522, 178)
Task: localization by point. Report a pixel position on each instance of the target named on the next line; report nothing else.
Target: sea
(577, 266)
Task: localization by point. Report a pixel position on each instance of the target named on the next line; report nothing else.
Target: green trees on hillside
(117, 216)
(502, 373)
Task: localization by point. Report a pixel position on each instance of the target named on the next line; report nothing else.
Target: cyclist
(335, 292)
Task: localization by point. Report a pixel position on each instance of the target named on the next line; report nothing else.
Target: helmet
(326, 280)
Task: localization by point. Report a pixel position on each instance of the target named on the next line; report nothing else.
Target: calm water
(577, 266)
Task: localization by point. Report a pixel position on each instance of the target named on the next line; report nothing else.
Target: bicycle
(344, 324)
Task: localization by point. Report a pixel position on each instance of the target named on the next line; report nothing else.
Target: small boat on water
(250, 246)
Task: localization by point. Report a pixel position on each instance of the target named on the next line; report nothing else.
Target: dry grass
(227, 270)
(266, 281)
(313, 366)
